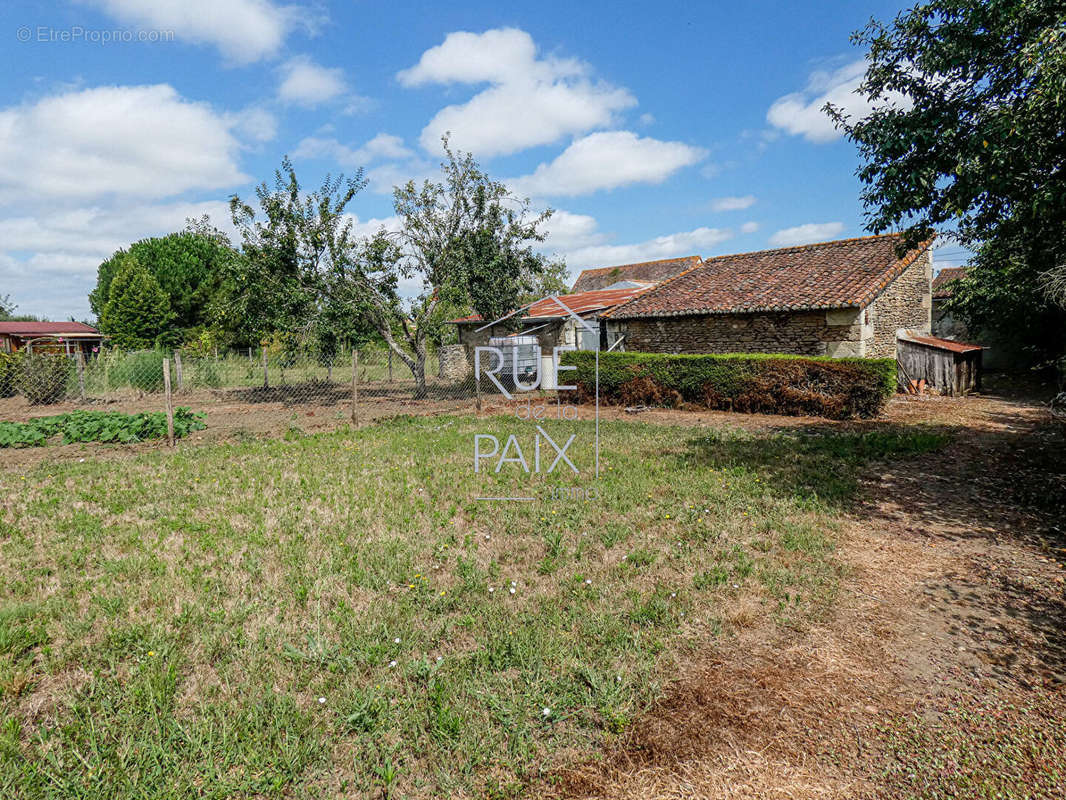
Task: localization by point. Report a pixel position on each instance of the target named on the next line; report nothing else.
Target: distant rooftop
(22, 329)
(642, 272)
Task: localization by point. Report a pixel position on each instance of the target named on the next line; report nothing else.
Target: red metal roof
(45, 328)
(943, 280)
(848, 273)
(580, 303)
(940, 344)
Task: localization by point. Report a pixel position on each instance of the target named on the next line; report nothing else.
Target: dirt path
(953, 608)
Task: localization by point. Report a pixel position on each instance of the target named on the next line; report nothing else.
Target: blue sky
(655, 131)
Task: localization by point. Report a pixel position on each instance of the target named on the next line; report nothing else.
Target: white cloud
(801, 113)
(256, 124)
(65, 248)
(567, 231)
(382, 146)
(733, 203)
(749, 227)
(531, 100)
(137, 141)
(607, 160)
(305, 83)
(805, 234)
(243, 30)
(674, 245)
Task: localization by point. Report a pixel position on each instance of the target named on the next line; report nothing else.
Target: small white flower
(321, 701)
(546, 712)
(440, 659)
(392, 663)
(396, 640)
(736, 585)
(673, 594)
(512, 590)
(491, 590)
(588, 581)
(513, 583)
(617, 678)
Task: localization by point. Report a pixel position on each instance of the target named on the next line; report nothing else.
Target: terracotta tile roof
(938, 343)
(848, 273)
(645, 271)
(580, 303)
(942, 281)
(45, 328)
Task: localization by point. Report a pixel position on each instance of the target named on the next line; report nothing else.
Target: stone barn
(842, 298)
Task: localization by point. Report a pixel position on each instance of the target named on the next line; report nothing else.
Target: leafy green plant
(42, 377)
(7, 374)
(98, 426)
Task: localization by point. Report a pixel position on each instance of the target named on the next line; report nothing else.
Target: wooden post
(177, 370)
(355, 384)
(477, 384)
(390, 365)
(266, 377)
(80, 358)
(170, 402)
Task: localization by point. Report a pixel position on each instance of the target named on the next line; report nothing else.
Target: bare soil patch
(954, 600)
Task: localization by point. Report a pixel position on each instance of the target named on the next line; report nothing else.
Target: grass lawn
(335, 615)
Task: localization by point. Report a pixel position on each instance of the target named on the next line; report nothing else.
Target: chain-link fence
(251, 391)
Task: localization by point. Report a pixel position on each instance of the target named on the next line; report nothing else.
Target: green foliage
(830, 387)
(137, 314)
(7, 307)
(8, 365)
(291, 245)
(98, 426)
(42, 377)
(976, 152)
(139, 369)
(189, 266)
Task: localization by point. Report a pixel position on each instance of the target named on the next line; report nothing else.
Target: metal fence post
(355, 383)
(170, 402)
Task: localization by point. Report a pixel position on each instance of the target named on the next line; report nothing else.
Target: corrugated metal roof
(937, 342)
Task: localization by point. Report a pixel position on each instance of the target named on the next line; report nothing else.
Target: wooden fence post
(170, 402)
(266, 377)
(477, 384)
(177, 370)
(355, 384)
(80, 358)
(390, 365)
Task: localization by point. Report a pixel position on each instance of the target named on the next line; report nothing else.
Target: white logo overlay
(540, 453)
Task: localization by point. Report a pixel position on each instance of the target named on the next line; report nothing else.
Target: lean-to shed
(947, 366)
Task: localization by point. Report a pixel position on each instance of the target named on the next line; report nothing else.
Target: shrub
(140, 369)
(837, 388)
(42, 377)
(7, 374)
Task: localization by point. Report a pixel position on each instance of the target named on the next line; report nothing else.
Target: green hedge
(837, 388)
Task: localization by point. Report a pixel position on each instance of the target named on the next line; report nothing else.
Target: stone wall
(867, 332)
(801, 333)
(907, 302)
